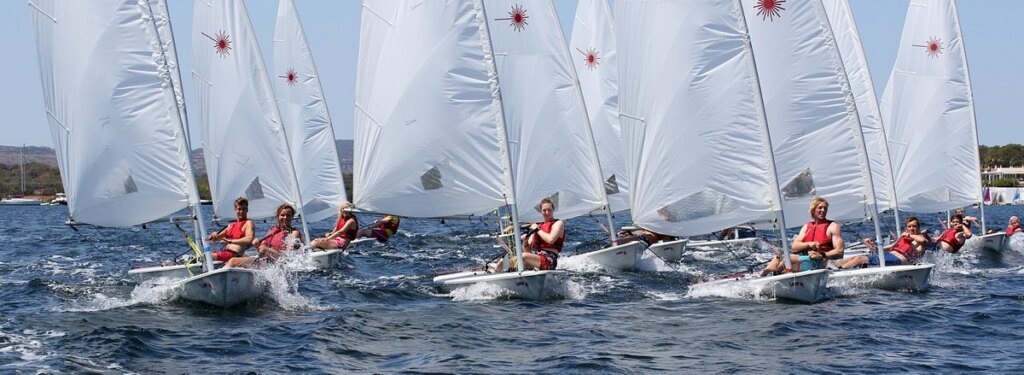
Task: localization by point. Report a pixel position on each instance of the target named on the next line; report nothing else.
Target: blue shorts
(890, 259)
(807, 264)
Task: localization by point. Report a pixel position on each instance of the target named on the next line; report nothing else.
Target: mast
(503, 136)
(182, 115)
(786, 250)
(590, 133)
(22, 169)
(974, 116)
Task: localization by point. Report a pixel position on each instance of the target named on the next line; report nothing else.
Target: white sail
(815, 129)
(243, 139)
(593, 51)
(120, 140)
(307, 122)
(844, 28)
(697, 146)
(549, 139)
(428, 138)
(928, 113)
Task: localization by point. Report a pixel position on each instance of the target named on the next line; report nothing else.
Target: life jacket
(949, 236)
(351, 233)
(1011, 229)
(389, 225)
(819, 233)
(275, 237)
(236, 230)
(546, 228)
(905, 246)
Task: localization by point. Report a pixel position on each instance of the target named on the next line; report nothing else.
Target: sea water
(67, 305)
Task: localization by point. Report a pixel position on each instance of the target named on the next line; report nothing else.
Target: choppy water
(67, 306)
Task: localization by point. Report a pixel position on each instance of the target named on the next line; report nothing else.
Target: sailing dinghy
(244, 139)
(306, 120)
(902, 277)
(551, 139)
(592, 50)
(688, 82)
(933, 138)
(110, 130)
(443, 110)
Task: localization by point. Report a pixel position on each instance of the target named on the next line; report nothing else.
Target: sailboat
(552, 144)
(933, 139)
(307, 122)
(133, 120)
(21, 201)
(688, 82)
(444, 111)
(594, 58)
(246, 145)
(902, 277)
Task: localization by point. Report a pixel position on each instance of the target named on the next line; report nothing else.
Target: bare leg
(324, 243)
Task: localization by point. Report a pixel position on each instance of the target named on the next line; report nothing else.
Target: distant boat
(21, 201)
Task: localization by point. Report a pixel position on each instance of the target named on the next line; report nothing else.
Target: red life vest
(351, 233)
(546, 228)
(905, 246)
(1011, 229)
(389, 225)
(276, 236)
(819, 233)
(949, 236)
(236, 230)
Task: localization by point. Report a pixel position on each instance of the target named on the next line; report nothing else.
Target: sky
(991, 28)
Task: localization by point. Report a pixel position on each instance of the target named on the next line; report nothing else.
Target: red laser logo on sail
(222, 43)
(518, 17)
(933, 48)
(769, 9)
(290, 77)
(590, 58)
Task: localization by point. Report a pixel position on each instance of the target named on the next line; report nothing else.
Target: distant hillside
(11, 155)
(42, 176)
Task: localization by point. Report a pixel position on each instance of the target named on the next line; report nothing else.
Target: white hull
(908, 277)
(328, 258)
(669, 251)
(173, 272)
(20, 202)
(807, 286)
(531, 285)
(616, 258)
(225, 287)
(992, 241)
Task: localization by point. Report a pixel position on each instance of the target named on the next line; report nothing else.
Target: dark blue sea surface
(67, 305)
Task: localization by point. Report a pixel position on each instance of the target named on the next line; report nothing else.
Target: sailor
(640, 234)
(819, 240)
(1014, 226)
(344, 231)
(237, 236)
(280, 238)
(906, 250)
(953, 238)
(543, 243)
(382, 229)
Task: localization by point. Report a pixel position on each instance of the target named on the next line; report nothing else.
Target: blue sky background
(992, 29)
